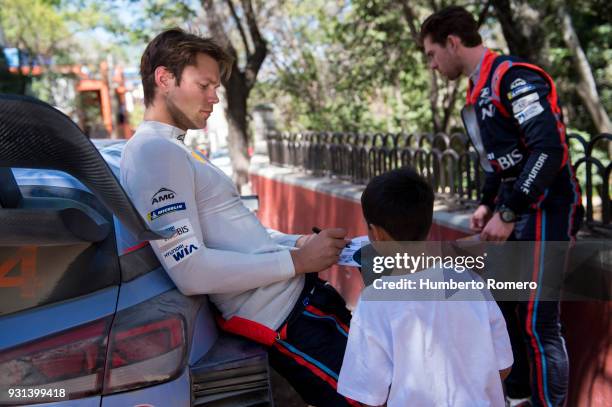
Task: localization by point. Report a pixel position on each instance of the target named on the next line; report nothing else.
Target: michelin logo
(181, 229)
(519, 91)
(180, 252)
(166, 209)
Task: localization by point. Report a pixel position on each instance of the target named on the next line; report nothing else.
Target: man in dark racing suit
(530, 192)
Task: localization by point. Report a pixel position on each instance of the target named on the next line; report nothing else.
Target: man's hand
(497, 230)
(480, 217)
(319, 252)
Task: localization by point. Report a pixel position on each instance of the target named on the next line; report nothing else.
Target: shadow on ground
(283, 393)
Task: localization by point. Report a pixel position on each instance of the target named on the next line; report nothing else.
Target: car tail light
(144, 353)
(72, 360)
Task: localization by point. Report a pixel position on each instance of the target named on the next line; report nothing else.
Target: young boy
(421, 353)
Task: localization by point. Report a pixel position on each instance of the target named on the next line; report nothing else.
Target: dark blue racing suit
(523, 134)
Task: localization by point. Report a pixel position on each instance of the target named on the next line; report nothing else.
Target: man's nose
(213, 97)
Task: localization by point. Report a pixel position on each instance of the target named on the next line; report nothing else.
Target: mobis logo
(164, 194)
(509, 160)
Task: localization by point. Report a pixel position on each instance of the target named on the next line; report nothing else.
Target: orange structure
(104, 92)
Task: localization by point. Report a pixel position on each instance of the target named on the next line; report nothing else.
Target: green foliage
(357, 69)
(594, 29)
(354, 65)
(35, 26)
(339, 65)
(156, 15)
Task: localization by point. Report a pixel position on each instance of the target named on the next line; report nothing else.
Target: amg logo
(510, 159)
(162, 195)
(184, 252)
(534, 172)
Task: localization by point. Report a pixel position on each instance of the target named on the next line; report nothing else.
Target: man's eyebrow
(210, 81)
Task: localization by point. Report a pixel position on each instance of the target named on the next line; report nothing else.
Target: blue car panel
(100, 303)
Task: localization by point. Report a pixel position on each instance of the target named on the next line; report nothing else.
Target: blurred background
(319, 65)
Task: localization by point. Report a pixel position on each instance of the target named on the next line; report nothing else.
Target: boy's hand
(480, 217)
(319, 252)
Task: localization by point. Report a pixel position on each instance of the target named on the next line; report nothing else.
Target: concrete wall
(293, 202)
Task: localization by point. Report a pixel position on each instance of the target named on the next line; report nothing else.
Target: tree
(242, 79)
(524, 24)
(543, 32)
(36, 46)
(586, 88)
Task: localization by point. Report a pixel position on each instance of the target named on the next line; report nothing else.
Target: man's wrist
(297, 262)
(506, 214)
(518, 202)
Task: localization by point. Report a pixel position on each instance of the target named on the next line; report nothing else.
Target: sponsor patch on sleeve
(179, 206)
(181, 228)
(163, 195)
(198, 157)
(517, 82)
(529, 112)
(520, 90)
(180, 252)
(520, 104)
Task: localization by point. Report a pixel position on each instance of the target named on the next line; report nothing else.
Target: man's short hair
(453, 20)
(175, 49)
(401, 202)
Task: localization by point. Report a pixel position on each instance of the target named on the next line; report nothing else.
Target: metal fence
(449, 162)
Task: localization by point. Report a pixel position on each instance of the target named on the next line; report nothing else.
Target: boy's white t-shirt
(425, 353)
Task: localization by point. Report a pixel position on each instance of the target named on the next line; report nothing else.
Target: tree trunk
(237, 95)
(586, 88)
(240, 82)
(441, 106)
(523, 29)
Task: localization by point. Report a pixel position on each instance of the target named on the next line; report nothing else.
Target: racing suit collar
(483, 75)
(476, 72)
(164, 130)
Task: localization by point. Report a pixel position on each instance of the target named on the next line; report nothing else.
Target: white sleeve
(283, 239)
(367, 367)
(159, 177)
(501, 339)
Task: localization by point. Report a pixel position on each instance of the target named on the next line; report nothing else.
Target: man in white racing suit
(219, 247)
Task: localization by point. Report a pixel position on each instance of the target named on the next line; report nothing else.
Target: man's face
(191, 103)
(442, 59)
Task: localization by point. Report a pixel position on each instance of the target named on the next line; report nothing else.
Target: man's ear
(163, 79)
(452, 43)
(379, 234)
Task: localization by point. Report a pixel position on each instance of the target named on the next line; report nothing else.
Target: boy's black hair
(401, 202)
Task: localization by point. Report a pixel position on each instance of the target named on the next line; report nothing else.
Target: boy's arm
(501, 339)
(366, 375)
